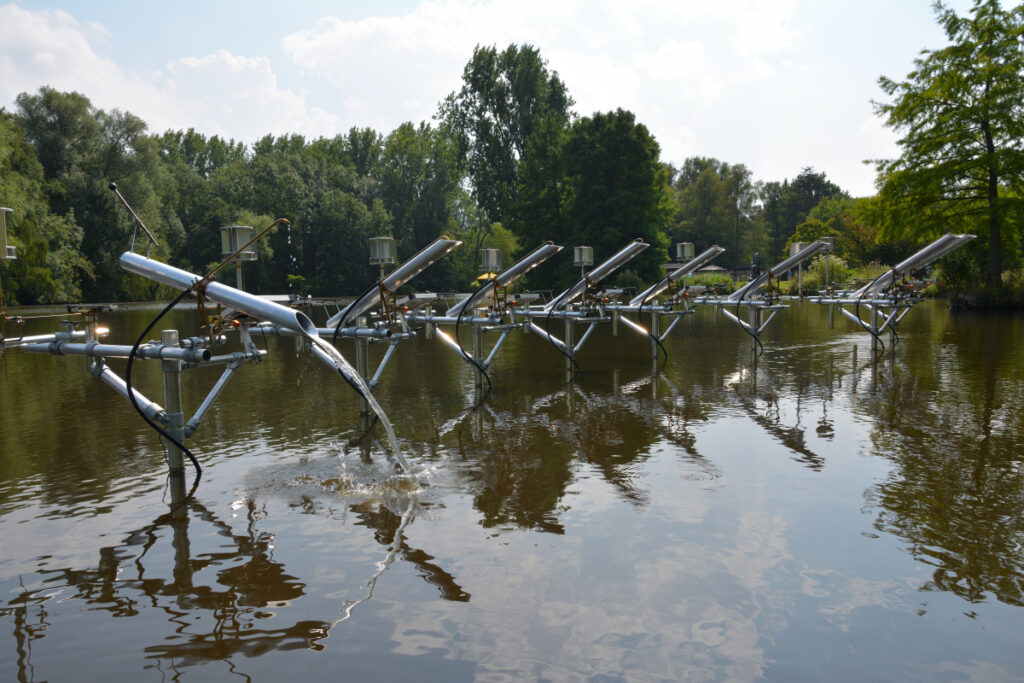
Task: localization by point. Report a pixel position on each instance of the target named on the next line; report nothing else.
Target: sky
(777, 85)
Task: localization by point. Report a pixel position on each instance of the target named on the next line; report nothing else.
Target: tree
(503, 98)
(787, 204)
(82, 149)
(618, 189)
(715, 204)
(49, 265)
(961, 117)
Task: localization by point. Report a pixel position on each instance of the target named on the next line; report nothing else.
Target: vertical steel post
(655, 331)
(363, 368)
(172, 405)
(570, 344)
(478, 356)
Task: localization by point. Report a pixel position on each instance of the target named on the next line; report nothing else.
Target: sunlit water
(811, 516)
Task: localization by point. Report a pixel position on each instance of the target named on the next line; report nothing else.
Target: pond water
(813, 515)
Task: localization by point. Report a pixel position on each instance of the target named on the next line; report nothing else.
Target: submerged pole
(172, 406)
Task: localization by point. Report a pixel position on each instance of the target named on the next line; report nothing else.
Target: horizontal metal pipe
(447, 320)
(145, 351)
(599, 273)
(328, 332)
(257, 307)
(43, 338)
(395, 279)
(689, 267)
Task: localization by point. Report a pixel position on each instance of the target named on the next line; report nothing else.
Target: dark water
(815, 516)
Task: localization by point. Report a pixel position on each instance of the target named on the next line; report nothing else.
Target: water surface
(813, 515)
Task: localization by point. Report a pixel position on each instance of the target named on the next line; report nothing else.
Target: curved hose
(131, 394)
(856, 310)
(757, 340)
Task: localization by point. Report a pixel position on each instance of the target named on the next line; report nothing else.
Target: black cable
(757, 340)
(458, 321)
(547, 329)
(856, 308)
(131, 393)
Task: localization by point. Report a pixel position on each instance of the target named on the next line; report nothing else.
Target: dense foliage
(961, 115)
(505, 164)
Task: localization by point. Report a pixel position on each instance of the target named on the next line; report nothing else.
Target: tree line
(505, 163)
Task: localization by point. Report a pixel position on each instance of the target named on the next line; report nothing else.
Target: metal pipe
(395, 279)
(383, 363)
(328, 332)
(43, 338)
(550, 337)
(229, 371)
(508, 276)
(111, 379)
(145, 351)
(777, 270)
(255, 306)
(919, 259)
(689, 267)
(599, 273)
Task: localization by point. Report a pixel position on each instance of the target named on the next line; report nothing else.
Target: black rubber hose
(131, 394)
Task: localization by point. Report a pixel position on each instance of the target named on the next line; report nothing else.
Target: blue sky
(775, 84)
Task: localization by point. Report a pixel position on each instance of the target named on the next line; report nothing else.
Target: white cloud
(239, 97)
(221, 93)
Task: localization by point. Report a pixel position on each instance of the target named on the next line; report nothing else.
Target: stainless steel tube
(258, 308)
(395, 279)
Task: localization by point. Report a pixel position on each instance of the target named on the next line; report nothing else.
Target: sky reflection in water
(806, 516)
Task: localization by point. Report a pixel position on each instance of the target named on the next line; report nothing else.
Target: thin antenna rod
(138, 221)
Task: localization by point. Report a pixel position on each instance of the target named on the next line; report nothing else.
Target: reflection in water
(526, 453)
(218, 619)
(728, 518)
(956, 494)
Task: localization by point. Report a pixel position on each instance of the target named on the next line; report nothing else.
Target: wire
(547, 328)
(458, 321)
(131, 393)
(856, 308)
(755, 337)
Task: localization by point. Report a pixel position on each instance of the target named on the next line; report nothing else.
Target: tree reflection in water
(225, 619)
(956, 493)
(521, 458)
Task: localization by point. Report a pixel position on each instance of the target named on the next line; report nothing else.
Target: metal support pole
(363, 368)
(571, 348)
(172, 405)
(478, 356)
(655, 331)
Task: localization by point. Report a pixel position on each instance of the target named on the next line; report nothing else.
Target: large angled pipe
(255, 306)
(777, 270)
(689, 267)
(598, 274)
(395, 279)
(919, 259)
(507, 276)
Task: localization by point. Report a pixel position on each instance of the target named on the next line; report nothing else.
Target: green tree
(787, 204)
(82, 149)
(49, 265)
(961, 117)
(618, 189)
(716, 203)
(503, 98)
